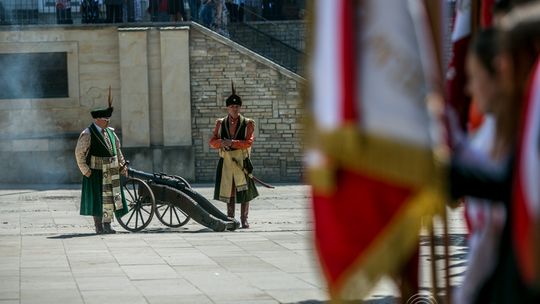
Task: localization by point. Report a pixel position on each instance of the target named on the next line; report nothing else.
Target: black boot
(244, 210)
(107, 228)
(98, 225)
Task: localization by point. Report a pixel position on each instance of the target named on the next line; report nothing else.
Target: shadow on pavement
(71, 235)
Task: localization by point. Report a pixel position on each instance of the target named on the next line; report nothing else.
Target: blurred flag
(486, 13)
(526, 204)
(370, 150)
(455, 76)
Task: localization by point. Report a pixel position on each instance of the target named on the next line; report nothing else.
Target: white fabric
(326, 67)
(392, 86)
(530, 159)
(462, 23)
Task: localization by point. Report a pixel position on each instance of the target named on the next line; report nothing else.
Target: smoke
(34, 147)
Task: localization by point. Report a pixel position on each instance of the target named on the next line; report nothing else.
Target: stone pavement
(49, 254)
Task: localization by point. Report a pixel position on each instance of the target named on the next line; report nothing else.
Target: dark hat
(104, 112)
(233, 99)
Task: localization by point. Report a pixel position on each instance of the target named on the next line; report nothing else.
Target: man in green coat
(101, 162)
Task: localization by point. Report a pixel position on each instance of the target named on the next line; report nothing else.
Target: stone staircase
(256, 38)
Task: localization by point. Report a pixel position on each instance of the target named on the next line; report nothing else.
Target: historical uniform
(233, 136)
(101, 161)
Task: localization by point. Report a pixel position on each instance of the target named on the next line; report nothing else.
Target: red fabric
(522, 221)
(163, 5)
(486, 17)
(476, 118)
(457, 80)
(215, 140)
(347, 223)
(348, 48)
(523, 236)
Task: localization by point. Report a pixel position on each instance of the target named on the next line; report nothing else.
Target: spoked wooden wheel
(170, 214)
(141, 205)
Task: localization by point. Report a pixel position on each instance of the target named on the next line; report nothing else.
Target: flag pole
(428, 16)
(434, 280)
(435, 12)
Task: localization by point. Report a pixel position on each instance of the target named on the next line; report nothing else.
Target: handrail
(274, 38)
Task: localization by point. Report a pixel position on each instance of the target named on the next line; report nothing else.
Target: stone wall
(38, 135)
(168, 69)
(270, 94)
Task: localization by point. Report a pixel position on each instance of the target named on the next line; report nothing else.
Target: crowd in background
(211, 13)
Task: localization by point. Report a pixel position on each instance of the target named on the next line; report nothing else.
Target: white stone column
(135, 112)
(176, 97)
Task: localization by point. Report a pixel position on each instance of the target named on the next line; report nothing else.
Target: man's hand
(226, 143)
(124, 170)
(88, 173)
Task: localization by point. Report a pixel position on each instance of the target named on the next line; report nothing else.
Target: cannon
(171, 199)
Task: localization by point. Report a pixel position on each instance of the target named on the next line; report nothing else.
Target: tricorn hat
(104, 112)
(233, 99)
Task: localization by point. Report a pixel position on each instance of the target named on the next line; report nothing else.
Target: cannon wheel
(141, 205)
(170, 214)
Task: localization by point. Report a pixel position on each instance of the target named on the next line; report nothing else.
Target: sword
(251, 175)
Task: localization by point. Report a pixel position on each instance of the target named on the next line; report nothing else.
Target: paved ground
(49, 254)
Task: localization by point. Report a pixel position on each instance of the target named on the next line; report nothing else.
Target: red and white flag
(370, 158)
(526, 203)
(455, 75)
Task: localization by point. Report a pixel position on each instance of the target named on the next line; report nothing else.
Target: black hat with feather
(233, 99)
(104, 112)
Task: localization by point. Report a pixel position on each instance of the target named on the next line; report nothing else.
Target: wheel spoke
(131, 216)
(176, 215)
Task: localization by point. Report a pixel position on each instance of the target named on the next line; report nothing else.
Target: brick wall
(270, 94)
(38, 136)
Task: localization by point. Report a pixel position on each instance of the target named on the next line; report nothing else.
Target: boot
(107, 228)
(230, 209)
(98, 225)
(244, 210)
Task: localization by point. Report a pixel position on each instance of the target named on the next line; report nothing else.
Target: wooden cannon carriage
(171, 199)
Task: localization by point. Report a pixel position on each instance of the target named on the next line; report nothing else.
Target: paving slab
(49, 254)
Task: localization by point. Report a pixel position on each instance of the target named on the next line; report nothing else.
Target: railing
(268, 46)
(22, 12)
(25, 12)
(264, 43)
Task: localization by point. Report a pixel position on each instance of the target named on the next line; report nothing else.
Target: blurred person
(207, 12)
(485, 218)
(90, 11)
(114, 11)
(500, 181)
(2, 13)
(233, 137)
(236, 10)
(177, 10)
(159, 10)
(194, 6)
(63, 12)
(221, 18)
(101, 162)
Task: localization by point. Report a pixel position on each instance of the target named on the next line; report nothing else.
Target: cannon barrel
(196, 206)
(159, 178)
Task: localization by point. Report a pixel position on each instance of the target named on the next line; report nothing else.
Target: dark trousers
(236, 12)
(63, 16)
(114, 13)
